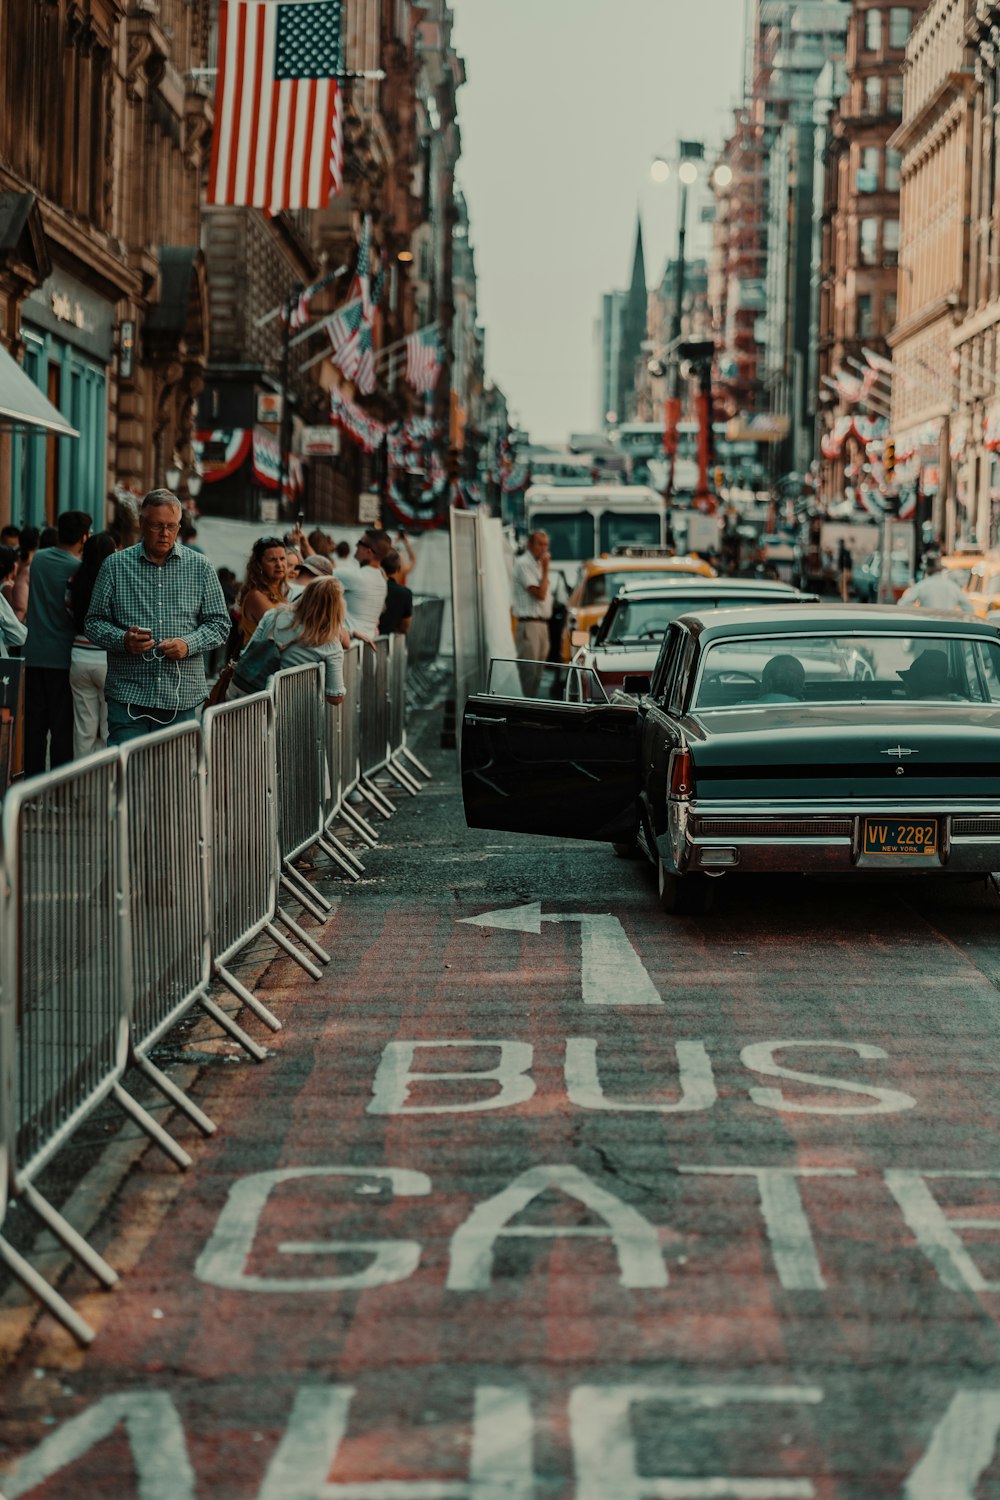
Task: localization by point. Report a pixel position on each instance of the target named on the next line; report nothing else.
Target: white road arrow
(613, 973)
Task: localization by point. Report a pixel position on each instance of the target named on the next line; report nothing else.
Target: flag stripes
(279, 132)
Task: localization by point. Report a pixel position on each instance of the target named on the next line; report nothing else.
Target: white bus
(586, 521)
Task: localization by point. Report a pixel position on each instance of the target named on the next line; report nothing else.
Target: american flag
(365, 376)
(344, 327)
(278, 110)
(423, 359)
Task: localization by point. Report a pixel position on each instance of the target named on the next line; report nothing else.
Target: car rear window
(645, 619)
(759, 670)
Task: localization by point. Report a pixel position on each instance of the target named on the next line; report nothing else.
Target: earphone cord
(157, 655)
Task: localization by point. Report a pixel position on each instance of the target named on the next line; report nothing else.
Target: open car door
(533, 765)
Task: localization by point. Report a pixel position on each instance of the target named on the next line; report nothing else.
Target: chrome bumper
(823, 838)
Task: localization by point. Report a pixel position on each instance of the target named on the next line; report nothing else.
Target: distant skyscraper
(623, 330)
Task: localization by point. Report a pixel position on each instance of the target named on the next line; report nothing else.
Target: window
(890, 242)
(873, 30)
(894, 94)
(892, 164)
(865, 317)
(900, 21)
(870, 161)
(868, 242)
(888, 310)
(873, 96)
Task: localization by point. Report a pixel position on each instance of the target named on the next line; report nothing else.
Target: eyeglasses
(164, 526)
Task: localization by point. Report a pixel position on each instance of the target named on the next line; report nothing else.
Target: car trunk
(902, 751)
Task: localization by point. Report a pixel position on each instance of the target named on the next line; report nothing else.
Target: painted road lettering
(788, 1232)
(633, 1238)
(640, 1260)
(963, 1444)
(605, 1449)
(223, 1260)
(934, 1230)
(612, 973)
(396, 1075)
(759, 1058)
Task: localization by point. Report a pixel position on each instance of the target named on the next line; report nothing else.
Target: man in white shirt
(364, 589)
(936, 590)
(532, 599)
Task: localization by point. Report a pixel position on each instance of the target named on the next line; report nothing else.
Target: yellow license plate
(915, 836)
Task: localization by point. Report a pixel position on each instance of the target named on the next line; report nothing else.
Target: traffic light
(720, 478)
(889, 460)
(454, 462)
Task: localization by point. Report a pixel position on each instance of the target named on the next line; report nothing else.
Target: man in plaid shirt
(155, 609)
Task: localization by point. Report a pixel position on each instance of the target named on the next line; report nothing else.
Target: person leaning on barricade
(297, 635)
(265, 585)
(156, 609)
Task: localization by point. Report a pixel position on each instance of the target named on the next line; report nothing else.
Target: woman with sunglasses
(265, 586)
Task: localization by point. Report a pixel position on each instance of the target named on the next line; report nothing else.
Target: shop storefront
(68, 333)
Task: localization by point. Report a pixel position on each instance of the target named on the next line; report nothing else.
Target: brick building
(936, 142)
(103, 292)
(859, 264)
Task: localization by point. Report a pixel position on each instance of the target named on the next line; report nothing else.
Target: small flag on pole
(878, 361)
(278, 126)
(423, 358)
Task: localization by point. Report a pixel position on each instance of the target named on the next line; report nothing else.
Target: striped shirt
(180, 598)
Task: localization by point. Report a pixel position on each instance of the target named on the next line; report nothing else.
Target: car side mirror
(637, 683)
(580, 638)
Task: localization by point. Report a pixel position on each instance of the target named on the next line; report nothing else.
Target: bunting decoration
(355, 422)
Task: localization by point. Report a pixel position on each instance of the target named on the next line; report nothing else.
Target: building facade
(975, 344)
(103, 288)
(861, 244)
(936, 451)
(154, 323)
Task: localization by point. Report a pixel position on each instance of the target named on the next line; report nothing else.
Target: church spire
(638, 286)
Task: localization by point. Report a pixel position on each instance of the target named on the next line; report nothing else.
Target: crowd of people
(121, 630)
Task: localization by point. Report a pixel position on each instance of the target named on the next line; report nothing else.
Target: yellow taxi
(602, 577)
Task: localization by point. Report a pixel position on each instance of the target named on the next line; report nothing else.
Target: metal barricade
(341, 764)
(350, 750)
(374, 724)
(396, 716)
(298, 709)
(164, 820)
(243, 835)
(63, 1005)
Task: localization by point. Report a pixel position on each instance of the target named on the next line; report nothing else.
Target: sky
(566, 103)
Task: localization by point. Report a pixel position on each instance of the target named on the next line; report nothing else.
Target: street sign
(320, 442)
(268, 408)
(369, 506)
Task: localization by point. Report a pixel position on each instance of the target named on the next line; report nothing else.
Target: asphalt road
(584, 1202)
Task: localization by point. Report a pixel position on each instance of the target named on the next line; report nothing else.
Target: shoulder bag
(260, 660)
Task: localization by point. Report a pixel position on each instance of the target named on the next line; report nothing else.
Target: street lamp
(689, 155)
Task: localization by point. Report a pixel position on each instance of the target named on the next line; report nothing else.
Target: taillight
(682, 773)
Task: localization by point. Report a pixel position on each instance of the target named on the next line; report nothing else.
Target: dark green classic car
(806, 740)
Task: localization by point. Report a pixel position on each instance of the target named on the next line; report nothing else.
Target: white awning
(22, 405)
